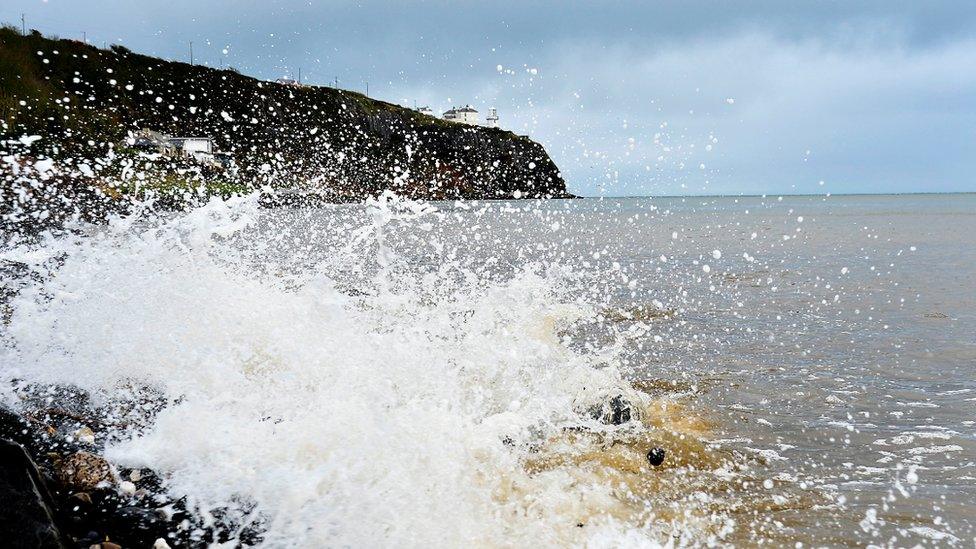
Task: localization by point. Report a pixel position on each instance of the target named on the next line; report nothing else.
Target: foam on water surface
(417, 410)
(437, 374)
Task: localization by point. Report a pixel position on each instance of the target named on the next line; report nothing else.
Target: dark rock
(137, 526)
(620, 411)
(655, 456)
(17, 429)
(617, 411)
(39, 439)
(81, 498)
(27, 516)
(83, 503)
(91, 538)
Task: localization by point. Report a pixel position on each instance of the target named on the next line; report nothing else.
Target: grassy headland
(84, 101)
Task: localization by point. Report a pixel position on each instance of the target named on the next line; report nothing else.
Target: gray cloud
(627, 96)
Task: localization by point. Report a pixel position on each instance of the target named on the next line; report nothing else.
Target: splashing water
(440, 373)
(440, 408)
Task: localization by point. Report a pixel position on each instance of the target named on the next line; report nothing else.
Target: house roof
(457, 110)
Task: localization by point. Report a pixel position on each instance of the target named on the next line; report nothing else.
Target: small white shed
(191, 145)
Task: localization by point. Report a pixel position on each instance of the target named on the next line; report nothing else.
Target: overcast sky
(629, 98)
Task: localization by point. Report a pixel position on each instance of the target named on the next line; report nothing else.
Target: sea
(495, 374)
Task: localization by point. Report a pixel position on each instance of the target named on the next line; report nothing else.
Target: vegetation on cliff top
(84, 101)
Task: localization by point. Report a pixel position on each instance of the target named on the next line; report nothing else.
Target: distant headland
(128, 123)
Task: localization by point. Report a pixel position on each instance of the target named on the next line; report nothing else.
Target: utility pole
(337, 82)
(84, 37)
(367, 88)
(191, 52)
(299, 75)
(23, 25)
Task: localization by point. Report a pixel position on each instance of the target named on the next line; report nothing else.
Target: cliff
(85, 101)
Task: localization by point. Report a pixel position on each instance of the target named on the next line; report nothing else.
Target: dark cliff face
(85, 101)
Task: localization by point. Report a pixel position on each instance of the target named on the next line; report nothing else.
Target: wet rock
(39, 439)
(85, 435)
(27, 515)
(616, 411)
(91, 538)
(89, 505)
(655, 456)
(137, 526)
(84, 471)
(80, 498)
(78, 510)
(127, 488)
(17, 429)
(145, 480)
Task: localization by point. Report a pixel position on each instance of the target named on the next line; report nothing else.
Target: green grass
(175, 186)
(340, 138)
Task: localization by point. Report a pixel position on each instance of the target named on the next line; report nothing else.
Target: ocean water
(406, 374)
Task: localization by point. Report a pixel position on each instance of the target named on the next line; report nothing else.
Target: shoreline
(61, 492)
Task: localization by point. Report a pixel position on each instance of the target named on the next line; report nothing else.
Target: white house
(465, 115)
(188, 146)
(426, 110)
(199, 149)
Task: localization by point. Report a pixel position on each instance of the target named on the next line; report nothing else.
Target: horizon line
(766, 195)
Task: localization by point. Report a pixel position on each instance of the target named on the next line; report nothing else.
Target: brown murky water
(808, 365)
(811, 360)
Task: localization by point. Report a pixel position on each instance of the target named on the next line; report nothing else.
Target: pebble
(655, 456)
(84, 471)
(85, 435)
(81, 497)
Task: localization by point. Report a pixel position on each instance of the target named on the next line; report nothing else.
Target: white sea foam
(342, 419)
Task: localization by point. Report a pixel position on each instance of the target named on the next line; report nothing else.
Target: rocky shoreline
(60, 492)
